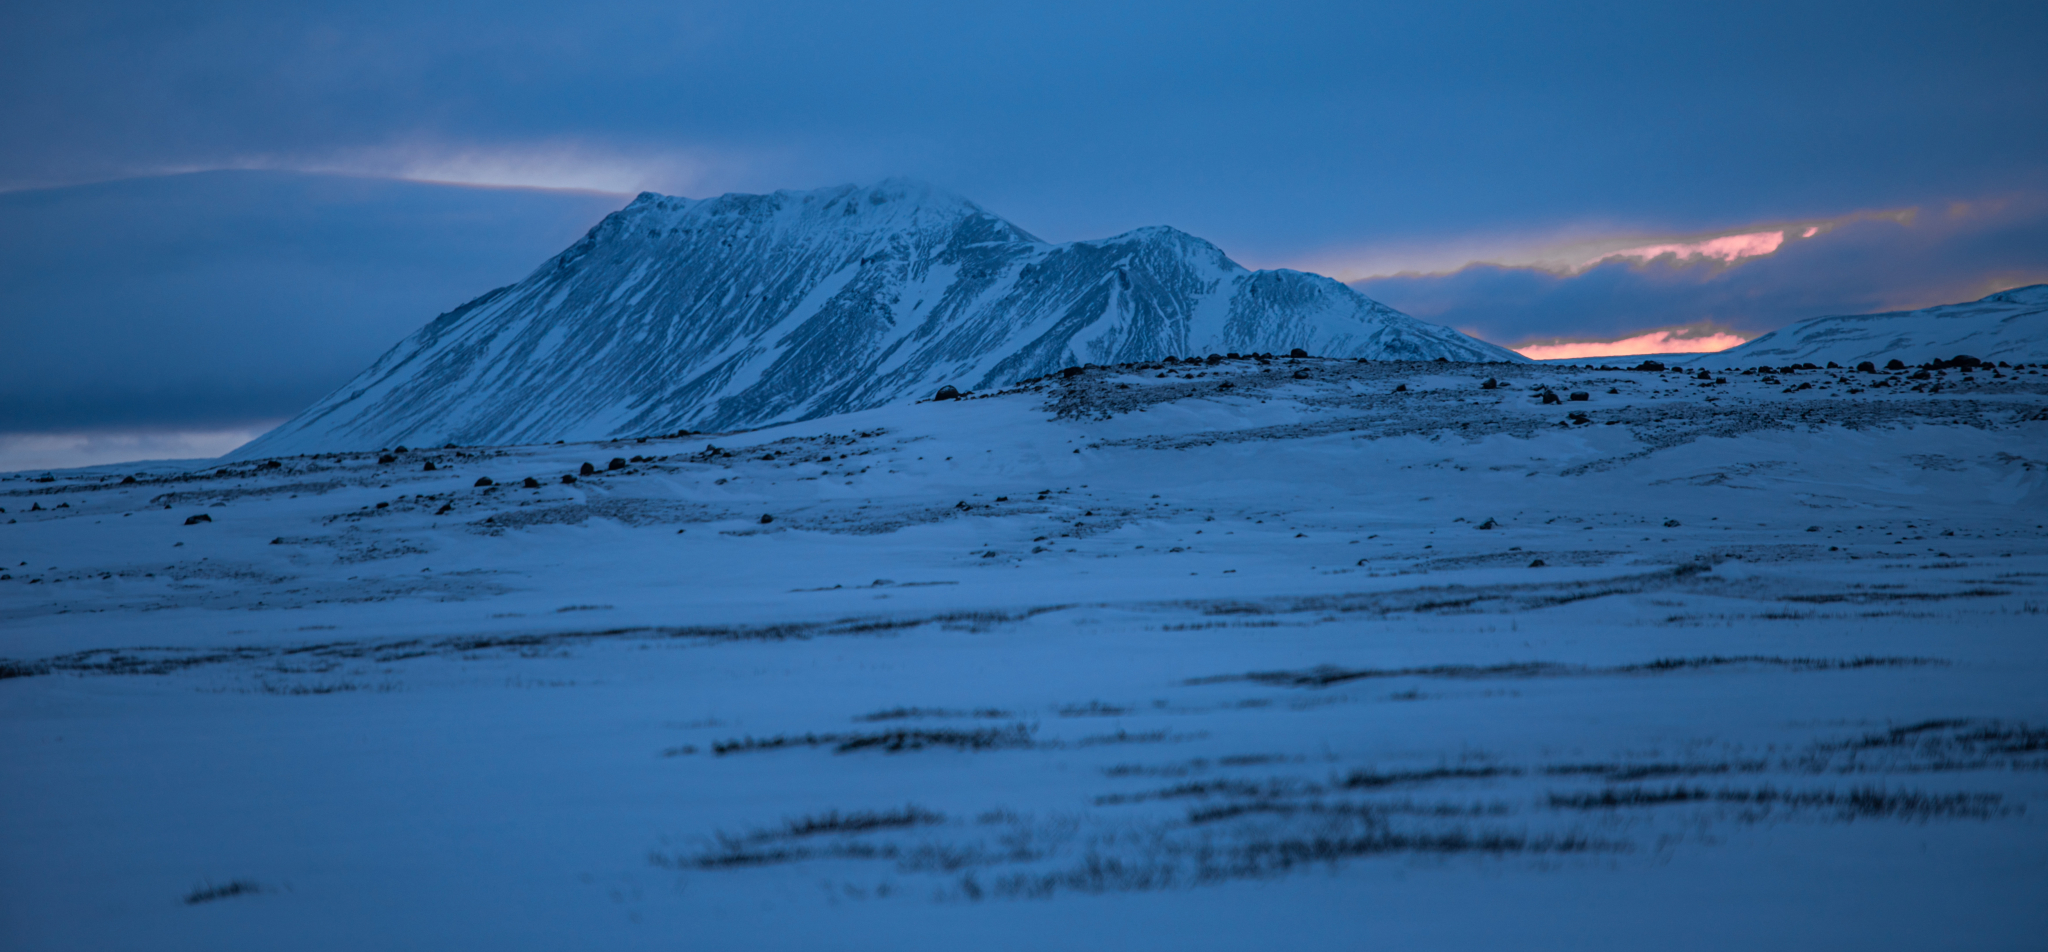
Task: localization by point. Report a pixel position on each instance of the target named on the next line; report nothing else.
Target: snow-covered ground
(1229, 656)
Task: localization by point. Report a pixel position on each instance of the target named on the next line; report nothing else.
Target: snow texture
(744, 310)
(1316, 654)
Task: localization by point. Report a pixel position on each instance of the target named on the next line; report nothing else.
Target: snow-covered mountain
(2010, 326)
(743, 310)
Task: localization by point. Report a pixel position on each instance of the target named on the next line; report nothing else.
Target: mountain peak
(744, 310)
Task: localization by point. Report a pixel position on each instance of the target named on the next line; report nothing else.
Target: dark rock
(387, 458)
(1301, 375)
(1490, 384)
(1297, 352)
(1550, 398)
(1398, 388)
(1703, 375)
(1489, 524)
(530, 483)
(1670, 523)
(195, 520)
(1537, 564)
(1866, 367)
(766, 518)
(1072, 372)
(616, 463)
(568, 479)
(483, 481)
(277, 541)
(1225, 385)
(446, 508)
(1650, 365)
(383, 505)
(1894, 364)
(271, 464)
(1581, 395)
(430, 467)
(1215, 358)
(127, 480)
(947, 392)
(588, 469)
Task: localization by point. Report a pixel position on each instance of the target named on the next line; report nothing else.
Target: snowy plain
(1259, 654)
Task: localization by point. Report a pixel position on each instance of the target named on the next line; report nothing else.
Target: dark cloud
(213, 299)
(1275, 129)
(1941, 256)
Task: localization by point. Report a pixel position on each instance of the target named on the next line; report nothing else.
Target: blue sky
(1468, 162)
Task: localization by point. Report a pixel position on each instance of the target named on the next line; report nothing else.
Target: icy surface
(750, 309)
(1211, 657)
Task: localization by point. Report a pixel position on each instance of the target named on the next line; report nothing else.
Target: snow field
(547, 718)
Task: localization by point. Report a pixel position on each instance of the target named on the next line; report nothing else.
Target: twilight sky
(1476, 164)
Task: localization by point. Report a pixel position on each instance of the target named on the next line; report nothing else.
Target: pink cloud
(1728, 248)
(1654, 342)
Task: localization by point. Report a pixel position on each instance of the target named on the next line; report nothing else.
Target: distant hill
(2011, 326)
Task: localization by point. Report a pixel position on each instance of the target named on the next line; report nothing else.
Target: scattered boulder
(195, 520)
(1297, 352)
(1489, 524)
(127, 480)
(483, 481)
(277, 541)
(947, 392)
(1581, 395)
(1670, 523)
(1071, 372)
(530, 483)
(446, 508)
(588, 469)
(1894, 364)
(1550, 398)
(568, 479)
(1398, 388)
(1866, 367)
(1537, 564)
(387, 458)
(1490, 384)
(1215, 359)
(430, 467)
(1652, 365)
(616, 463)
(766, 518)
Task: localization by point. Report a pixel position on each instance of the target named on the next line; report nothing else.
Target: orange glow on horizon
(1654, 342)
(1727, 248)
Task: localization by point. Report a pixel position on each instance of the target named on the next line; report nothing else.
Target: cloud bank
(1686, 295)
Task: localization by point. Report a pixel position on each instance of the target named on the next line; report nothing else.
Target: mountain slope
(2010, 325)
(745, 310)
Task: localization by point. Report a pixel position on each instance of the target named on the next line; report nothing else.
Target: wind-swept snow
(1316, 654)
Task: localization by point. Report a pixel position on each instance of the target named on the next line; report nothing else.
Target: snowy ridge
(744, 310)
(2010, 326)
